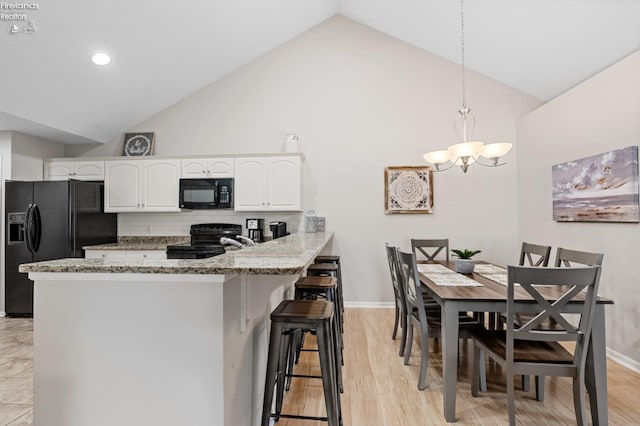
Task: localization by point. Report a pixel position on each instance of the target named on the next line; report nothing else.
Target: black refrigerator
(48, 220)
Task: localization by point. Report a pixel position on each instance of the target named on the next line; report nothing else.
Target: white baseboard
(624, 360)
(369, 304)
(3, 314)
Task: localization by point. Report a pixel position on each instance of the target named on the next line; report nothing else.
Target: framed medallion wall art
(408, 189)
(138, 144)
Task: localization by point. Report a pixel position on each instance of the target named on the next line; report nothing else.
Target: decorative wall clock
(408, 189)
(138, 144)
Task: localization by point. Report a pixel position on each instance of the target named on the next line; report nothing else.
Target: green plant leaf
(465, 254)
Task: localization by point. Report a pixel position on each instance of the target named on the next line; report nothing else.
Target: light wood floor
(380, 390)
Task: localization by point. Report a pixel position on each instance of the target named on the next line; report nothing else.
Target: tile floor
(16, 371)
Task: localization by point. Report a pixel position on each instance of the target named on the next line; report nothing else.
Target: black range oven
(205, 241)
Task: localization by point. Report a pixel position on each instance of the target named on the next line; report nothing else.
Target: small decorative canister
(310, 221)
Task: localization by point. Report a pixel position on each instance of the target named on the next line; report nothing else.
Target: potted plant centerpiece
(464, 264)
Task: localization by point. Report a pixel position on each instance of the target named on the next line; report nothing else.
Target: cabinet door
(193, 168)
(88, 170)
(105, 254)
(160, 185)
(58, 170)
(146, 254)
(220, 167)
(249, 189)
(283, 184)
(122, 186)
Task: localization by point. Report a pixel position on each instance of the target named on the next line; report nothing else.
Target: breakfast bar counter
(160, 342)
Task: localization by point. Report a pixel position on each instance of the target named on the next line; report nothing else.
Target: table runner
(445, 277)
(492, 272)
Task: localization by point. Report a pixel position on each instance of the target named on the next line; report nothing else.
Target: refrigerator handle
(37, 225)
(27, 229)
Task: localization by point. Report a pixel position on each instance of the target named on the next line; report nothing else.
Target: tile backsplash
(166, 224)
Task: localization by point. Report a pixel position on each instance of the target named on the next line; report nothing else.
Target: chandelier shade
(467, 152)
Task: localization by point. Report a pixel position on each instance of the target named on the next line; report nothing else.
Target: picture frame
(408, 189)
(138, 144)
(599, 188)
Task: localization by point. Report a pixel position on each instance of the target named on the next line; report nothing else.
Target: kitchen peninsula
(159, 342)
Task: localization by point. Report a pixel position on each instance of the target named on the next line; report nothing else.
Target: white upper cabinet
(81, 170)
(142, 185)
(207, 168)
(122, 186)
(268, 183)
(160, 185)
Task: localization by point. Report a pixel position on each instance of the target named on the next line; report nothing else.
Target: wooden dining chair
(535, 255)
(530, 255)
(418, 316)
(530, 350)
(569, 258)
(566, 258)
(430, 250)
(421, 248)
(399, 297)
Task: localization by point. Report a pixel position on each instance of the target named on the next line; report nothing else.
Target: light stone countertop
(283, 256)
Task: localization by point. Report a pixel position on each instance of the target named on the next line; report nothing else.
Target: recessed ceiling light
(101, 58)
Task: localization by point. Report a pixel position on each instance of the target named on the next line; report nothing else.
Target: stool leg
(272, 369)
(328, 373)
(292, 354)
(339, 361)
(282, 369)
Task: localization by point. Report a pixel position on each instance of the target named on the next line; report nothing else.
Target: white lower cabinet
(125, 254)
(142, 185)
(268, 184)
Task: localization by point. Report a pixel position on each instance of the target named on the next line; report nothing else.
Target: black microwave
(206, 193)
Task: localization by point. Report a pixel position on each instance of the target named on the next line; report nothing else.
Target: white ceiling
(164, 51)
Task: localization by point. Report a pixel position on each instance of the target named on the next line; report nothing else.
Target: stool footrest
(293, 416)
(303, 376)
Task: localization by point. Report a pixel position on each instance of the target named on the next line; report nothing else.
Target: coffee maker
(278, 229)
(255, 229)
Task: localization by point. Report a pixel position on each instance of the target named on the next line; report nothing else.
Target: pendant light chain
(464, 97)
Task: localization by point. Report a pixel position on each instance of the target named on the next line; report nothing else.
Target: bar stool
(305, 315)
(310, 288)
(332, 269)
(313, 286)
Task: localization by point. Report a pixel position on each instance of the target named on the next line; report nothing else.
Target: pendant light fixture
(468, 151)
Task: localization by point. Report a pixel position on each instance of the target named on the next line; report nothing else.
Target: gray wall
(359, 100)
(600, 115)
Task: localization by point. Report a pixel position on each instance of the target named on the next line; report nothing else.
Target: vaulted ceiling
(164, 51)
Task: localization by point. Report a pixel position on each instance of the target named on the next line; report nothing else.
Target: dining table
(485, 290)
